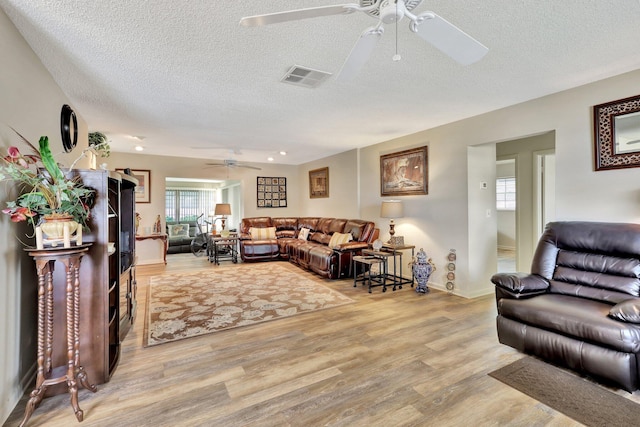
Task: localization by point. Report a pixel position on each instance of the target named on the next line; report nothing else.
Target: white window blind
(187, 204)
(506, 194)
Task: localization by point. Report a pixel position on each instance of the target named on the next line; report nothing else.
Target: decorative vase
(58, 229)
(422, 270)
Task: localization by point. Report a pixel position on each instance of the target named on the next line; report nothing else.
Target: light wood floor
(390, 359)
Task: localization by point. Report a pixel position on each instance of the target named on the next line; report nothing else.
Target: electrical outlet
(484, 185)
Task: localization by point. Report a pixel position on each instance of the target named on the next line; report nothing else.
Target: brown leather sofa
(580, 305)
(312, 254)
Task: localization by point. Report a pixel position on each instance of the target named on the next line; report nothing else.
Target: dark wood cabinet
(107, 275)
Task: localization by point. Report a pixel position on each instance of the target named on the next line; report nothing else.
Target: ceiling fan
(434, 29)
(232, 163)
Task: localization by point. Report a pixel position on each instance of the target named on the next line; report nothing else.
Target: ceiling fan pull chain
(397, 56)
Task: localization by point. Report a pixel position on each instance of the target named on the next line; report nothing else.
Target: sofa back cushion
(593, 260)
(360, 230)
(337, 226)
(324, 225)
(308, 222)
(320, 237)
(259, 222)
(285, 227)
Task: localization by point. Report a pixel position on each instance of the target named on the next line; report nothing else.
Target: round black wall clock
(68, 128)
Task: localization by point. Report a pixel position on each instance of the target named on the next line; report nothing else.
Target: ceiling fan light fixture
(393, 12)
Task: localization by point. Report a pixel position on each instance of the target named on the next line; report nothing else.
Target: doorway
(506, 185)
(533, 169)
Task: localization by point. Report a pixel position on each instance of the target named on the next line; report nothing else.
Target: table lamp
(222, 210)
(393, 209)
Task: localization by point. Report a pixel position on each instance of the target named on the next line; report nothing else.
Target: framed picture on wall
(319, 183)
(143, 189)
(272, 192)
(404, 173)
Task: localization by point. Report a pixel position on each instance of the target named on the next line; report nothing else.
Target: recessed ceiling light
(270, 159)
(139, 148)
(283, 153)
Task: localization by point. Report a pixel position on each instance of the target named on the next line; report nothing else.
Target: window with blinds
(506, 194)
(188, 204)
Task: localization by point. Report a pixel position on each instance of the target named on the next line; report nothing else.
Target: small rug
(201, 302)
(576, 397)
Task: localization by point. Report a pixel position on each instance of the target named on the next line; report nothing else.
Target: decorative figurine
(138, 218)
(422, 269)
(157, 227)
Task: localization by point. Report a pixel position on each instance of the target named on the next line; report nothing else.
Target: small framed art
(143, 189)
(319, 183)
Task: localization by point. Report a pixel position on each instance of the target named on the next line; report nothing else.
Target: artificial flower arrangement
(45, 189)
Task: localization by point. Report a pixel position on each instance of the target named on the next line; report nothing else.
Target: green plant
(99, 144)
(44, 187)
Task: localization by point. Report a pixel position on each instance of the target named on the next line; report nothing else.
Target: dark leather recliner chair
(580, 305)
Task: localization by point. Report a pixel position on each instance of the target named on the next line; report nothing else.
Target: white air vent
(306, 77)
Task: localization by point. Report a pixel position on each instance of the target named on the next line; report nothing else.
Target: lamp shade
(223, 209)
(392, 209)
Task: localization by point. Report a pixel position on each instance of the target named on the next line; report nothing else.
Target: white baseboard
(150, 261)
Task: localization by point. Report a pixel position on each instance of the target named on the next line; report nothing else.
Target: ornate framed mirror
(617, 134)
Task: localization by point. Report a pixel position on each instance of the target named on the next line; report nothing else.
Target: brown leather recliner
(314, 253)
(580, 306)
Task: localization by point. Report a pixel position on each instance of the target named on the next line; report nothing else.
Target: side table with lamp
(223, 245)
(392, 209)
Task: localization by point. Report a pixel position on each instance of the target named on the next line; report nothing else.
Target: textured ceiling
(194, 83)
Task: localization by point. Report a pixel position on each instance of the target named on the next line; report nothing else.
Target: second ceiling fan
(432, 28)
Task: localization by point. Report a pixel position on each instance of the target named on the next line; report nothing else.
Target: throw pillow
(303, 234)
(626, 311)
(179, 230)
(338, 239)
(262, 233)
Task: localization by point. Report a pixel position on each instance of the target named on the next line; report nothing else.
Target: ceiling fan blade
(294, 15)
(360, 53)
(242, 165)
(449, 39)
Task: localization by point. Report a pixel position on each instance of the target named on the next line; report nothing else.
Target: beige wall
(30, 102)
(440, 220)
(344, 197)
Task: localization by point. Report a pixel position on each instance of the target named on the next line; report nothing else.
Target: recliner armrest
(520, 283)
(352, 246)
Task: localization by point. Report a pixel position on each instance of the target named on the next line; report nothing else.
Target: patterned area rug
(187, 305)
(576, 397)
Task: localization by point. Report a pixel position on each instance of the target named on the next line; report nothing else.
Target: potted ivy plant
(99, 144)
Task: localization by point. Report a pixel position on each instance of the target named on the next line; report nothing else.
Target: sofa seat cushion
(576, 317)
(266, 247)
